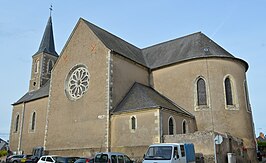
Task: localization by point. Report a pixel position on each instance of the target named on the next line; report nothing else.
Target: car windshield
(159, 153)
(80, 160)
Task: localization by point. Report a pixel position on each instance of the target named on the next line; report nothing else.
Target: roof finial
(51, 9)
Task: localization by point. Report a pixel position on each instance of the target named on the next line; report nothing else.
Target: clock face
(77, 82)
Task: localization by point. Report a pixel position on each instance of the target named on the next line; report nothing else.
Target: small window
(247, 97)
(182, 148)
(114, 159)
(133, 123)
(228, 91)
(184, 127)
(50, 66)
(49, 159)
(120, 159)
(201, 92)
(16, 123)
(36, 66)
(171, 126)
(33, 121)
(43, 158)
(175, 155)
(101, 158)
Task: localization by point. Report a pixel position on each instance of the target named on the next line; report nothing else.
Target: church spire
(44, 59)
(47, 44)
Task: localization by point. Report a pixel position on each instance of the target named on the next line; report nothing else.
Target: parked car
(26, 159)
(84, 160)
(61, 159)
(112, 157)
(37, 152)
(17, 158)
(57, 159)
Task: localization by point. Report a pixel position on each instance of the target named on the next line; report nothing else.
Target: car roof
(51, 156)
(167, 144)
(111, 153)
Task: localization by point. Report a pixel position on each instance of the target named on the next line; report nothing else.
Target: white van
(170, 153)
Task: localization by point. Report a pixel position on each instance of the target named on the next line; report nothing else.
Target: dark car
(60, 159)
(17, 158)
(84, 160)
(26, 159)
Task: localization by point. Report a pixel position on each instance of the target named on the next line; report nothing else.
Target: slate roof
(193, 46)
(47, 44)
(117, 44)
(143, 97)
(33, 95)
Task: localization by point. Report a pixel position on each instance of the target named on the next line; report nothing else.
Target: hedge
(261, 144)
(3, 153)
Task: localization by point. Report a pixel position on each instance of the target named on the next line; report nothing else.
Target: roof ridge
(215, 44)
(109, 33)
(182, 37)
(117, 44)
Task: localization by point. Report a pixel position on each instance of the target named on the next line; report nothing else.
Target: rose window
(78, 82)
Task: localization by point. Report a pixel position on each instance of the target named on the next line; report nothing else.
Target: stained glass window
(228, 91)
(171, 126)
(201, 92)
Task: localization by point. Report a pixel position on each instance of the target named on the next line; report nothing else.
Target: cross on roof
(51, 9)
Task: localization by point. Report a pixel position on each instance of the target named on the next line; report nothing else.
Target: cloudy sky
(238, 26)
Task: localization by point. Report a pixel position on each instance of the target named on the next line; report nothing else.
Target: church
(105, 94)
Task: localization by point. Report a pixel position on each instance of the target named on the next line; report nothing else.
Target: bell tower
(44, 59)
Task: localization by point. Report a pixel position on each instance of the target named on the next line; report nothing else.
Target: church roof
(117, 44)
(33, 95)
(192, 46)
(47, 44)
(143, 97)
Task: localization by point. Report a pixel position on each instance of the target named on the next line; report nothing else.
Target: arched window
(184, 127)
(36, 66)
(171, 126)
(246, 95)
(133, 123)
(33, 121)
(228, 91)
(201, 92)
(16, 123)
(50, 66)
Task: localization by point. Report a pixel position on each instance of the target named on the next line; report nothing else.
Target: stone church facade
(105, 94)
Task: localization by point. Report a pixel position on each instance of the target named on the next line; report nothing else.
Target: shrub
(3, 153)
(261, 144)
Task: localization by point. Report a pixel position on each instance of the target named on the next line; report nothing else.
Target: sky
(239, 26)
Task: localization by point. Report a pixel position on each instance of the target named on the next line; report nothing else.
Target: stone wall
(204, 143)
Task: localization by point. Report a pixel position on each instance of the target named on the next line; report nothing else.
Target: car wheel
(15, 161)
